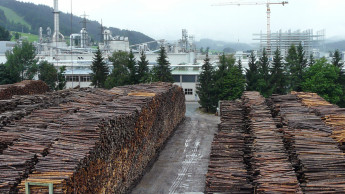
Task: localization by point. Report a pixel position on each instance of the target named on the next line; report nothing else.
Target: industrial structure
(78, 56)
(268, 4)
(312, 43)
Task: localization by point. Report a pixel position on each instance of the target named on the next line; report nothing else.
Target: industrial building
(78, 56)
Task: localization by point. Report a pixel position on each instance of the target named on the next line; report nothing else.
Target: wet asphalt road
(182, 164)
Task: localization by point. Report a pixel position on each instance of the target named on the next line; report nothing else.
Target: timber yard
(210, 127)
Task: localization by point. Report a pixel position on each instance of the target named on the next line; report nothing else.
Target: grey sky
(164, 19)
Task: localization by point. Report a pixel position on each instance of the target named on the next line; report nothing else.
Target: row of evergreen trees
(126, 70)
(225, 83)
(296, 72)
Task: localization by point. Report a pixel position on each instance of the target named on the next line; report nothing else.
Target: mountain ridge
(42, 16)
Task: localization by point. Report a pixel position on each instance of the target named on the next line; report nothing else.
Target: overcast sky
(164, 19)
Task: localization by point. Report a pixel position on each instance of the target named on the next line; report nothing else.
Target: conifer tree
(234, 84)
(291, 63)
(162, 71)
(336, 60)
(206, 90)
(225, 64)
(311, 60)
(302, 63)
(143, 69)
(252, 74)
(131, 65)
(239, 64)
(264, 76)
(99, 70)
(277, 81)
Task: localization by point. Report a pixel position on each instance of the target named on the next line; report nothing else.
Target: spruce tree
(225, 64)
(291, 63)
(99, 70)
(252, 74)
(264, 76)
(302, 63)
(143, 69)
(131, 65)
(311, 60)
(277, 81)
(239, 64)
(206, 90)
(336, 60)
(162, 71)
(234, 84)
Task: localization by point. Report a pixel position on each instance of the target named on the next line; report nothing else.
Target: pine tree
(143, 69)
(278, 81)
(131, 65)
(291, 63)
(226, 63)
(206, 90)
(311, 60)
(302, 63)
(252, 74)
(336, 60)
(239, 64)
(162, 72)
(264, 76)
(234, 84)
(99, 69)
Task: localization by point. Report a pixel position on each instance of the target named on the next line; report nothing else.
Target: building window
(72, 78)
(188, 78)
(85, 79)
(188, 91)
(177, 78)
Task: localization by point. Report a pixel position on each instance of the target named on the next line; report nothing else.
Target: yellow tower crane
(268, 3)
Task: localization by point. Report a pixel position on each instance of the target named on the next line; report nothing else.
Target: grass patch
(31, 37)
(14, 17)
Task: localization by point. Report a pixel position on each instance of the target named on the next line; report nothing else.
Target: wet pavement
(182, 164)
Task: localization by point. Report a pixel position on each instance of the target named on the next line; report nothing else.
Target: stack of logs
(94, 141)
(227, 169)
(317, 160)
(332, 115)
(248, 154)
(27, 87)
(273, 173)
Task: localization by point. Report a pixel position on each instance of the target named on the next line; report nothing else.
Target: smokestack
(57, 36)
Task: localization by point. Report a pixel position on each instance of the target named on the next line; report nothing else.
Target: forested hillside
(28, 17)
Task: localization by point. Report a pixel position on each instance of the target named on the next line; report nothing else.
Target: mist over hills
(223, 45)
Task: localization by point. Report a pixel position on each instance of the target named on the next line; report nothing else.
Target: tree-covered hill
(29, 17)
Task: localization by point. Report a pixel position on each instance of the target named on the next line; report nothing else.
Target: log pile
(227, 170)
(98, 141)
(317, 160)
(332, 115)
(273, 173)
(27, 87)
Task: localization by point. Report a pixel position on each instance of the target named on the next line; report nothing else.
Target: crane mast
(268, 3)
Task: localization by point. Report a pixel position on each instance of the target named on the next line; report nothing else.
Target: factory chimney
(57, 36)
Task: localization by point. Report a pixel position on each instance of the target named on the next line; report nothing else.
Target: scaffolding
(312, 43)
